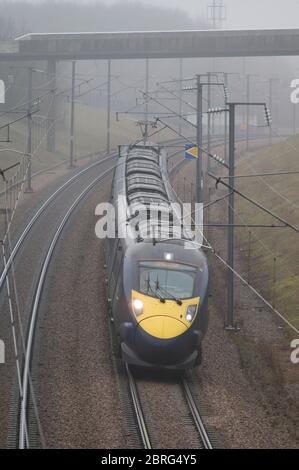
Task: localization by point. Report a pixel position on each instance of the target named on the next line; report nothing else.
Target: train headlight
(191, 311)
(138, 307)
(168, 256)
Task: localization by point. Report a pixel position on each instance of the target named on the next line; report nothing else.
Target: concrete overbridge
(152, 45)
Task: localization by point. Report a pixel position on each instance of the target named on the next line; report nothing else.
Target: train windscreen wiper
(169, 294)
(155, 292)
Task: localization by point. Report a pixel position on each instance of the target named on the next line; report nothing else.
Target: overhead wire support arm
(216, 201)
(166, 107)
(215, 157)
(259, 175)
(255, 203)
(177, 97)
(2, 172)
(244, 225)
(217, 110)
(189, 79)
(38, 98)
(18, 119)
(152, 134)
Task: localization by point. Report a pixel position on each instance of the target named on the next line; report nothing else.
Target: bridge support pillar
(52, 106)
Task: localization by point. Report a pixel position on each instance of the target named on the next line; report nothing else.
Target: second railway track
(20, 240)
(20, 273)
(24, 438)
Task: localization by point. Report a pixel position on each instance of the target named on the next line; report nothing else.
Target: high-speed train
(157, 283)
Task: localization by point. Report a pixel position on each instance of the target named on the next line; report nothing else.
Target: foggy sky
(240, 13)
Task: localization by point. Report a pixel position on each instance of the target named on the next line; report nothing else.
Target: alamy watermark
(150, 222)
(295, 352)
(2, 92)
(2, 352)
(295, 93)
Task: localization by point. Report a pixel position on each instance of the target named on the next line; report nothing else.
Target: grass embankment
(278, 280)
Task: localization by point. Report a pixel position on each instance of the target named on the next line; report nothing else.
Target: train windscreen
(167, 280)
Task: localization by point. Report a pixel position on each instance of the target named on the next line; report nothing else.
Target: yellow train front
(160, 311)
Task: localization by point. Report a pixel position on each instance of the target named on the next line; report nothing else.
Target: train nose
(163, 327)
(162, 339)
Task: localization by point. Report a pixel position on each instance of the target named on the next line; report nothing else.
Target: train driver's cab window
(167, 280)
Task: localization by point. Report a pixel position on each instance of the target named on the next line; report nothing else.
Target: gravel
(246, 380)
(78, 389)
(167, 415)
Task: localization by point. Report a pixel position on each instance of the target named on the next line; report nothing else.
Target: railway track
(57, 165)
(196, 416)
(22, 252)
(138, 410)
(42, 209)
(202, 434)
(24, 438)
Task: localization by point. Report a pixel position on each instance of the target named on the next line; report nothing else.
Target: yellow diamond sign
(191, 151)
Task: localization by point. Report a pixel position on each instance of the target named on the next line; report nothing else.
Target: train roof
(141, 183)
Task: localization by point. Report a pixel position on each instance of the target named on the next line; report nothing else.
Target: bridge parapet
(154, 44)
